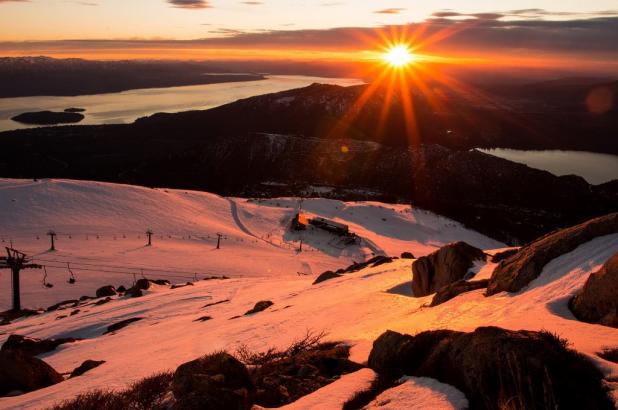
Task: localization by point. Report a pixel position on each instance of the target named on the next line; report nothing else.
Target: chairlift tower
(16, 261)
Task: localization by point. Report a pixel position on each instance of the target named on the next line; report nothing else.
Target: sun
(398, 56)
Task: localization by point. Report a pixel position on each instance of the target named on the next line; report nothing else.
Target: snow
(355, 308)
(416, 393)
(101, 225)
(334, 395)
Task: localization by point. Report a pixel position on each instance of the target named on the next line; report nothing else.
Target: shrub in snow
(496, 368)
(283, 376)
(148, 393)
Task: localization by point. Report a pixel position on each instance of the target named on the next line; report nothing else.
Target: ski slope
(101, 235)
(355, 308)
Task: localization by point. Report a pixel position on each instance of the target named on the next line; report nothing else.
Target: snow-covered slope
(356, 308)
(101, 234)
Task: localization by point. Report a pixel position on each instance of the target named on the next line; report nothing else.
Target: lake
(125, 107)
(593, 167)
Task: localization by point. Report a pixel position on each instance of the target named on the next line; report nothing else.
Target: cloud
(190, 4)
(389, 11)
(576, 41)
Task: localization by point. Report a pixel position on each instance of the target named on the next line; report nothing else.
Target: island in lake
(48, 118)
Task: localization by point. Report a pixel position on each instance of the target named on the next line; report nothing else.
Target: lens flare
(399, 56)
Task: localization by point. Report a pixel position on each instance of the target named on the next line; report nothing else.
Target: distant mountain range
(34, 76)
(305, 141)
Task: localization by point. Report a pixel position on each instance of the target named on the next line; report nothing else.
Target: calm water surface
(127, 106)
(595, 168)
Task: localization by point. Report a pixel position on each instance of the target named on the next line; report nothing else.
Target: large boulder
(517, 271)
(455, 289)
(31, 346)
(496, 368)
(597, 302)
(20, 372)
(443, 267)
(217, 381)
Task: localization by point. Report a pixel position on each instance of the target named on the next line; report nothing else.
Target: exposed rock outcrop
(500, 256)
(217, 381)
(516, 272)
(407, 255)
(121, 324)
(455, 289)
(326, 276)
(63, 305)
(260, 306)
(85, 367)
(20, 372)
(496, 368)
(31, 346)
(105, 291)
(597, 302)
(443, 267)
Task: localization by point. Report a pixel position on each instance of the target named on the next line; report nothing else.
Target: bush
(148, 393)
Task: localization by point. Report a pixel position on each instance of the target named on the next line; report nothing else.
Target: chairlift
(46, 284)
(72, 278)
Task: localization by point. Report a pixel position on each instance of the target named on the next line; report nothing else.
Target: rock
(63, 305)
(379, 260)
(260, 306)
(217, 381)
(443, 267)
(215, 303)
(121, 289)
(161, 282)
(203, 319)
(496, 368)
(142, 284)
(182, 285)
(24, 373)
(597, 302)
(121, 324)
(103, 301)
(448, 292)
(33, 347)
(407, 255)
(134, 293)
(48, 118)
(326, 276)
(500, 256)
(74, 109)
(86, 366)
(105, 291)
(516, 272)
